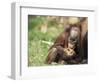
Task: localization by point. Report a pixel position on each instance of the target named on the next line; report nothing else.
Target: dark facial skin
(74, 35)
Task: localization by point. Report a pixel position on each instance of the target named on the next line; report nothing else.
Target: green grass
(37, 50)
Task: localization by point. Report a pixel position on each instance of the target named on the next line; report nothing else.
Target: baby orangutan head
(69, 51)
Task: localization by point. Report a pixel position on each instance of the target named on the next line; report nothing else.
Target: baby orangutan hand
(69, 52)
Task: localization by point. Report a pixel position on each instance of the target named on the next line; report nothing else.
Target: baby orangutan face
(69, 51)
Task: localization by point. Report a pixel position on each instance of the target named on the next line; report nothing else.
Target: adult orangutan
(68, 46)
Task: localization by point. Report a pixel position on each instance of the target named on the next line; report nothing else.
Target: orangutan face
(74, 34)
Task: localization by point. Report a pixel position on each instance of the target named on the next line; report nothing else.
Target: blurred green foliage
(37, 50)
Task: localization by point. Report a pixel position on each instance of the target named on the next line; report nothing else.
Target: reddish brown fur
(56, 53)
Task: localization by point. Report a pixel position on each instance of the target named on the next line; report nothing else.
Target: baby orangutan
(61, 55)
(68, 54)
(70, 50)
